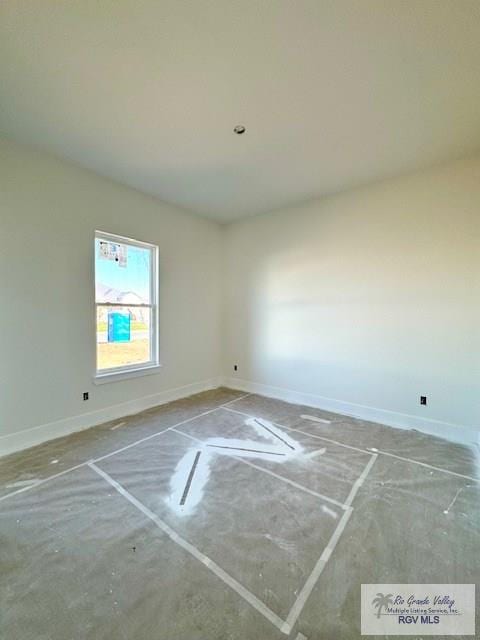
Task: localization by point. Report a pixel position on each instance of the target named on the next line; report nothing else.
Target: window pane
(122, 273)
(123, 336)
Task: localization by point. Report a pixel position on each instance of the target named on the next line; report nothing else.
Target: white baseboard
(37, 435)
(42, 433)
(453, 432)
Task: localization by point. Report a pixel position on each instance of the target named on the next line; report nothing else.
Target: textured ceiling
(334, 94)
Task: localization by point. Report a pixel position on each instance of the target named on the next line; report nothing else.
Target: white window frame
(137, 369)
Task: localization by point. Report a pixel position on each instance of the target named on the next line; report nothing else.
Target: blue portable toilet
(118, 326)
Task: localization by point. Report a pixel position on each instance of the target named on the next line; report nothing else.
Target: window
(126, 286)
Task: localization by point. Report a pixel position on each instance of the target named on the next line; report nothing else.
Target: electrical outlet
(235, 367)
(85, 395)
(423, 400)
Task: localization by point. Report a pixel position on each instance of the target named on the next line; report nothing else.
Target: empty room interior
(239, 319)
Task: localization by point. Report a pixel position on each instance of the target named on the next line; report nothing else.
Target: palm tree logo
(382, 602)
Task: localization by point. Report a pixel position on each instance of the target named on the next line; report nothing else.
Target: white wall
(359, 302)
(368, 298)
(48, 213)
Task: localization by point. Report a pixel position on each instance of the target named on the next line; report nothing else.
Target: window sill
(116, 376)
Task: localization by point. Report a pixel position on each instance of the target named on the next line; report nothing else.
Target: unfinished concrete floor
(225, 516)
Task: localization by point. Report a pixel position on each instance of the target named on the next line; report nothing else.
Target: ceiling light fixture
(239, 129)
